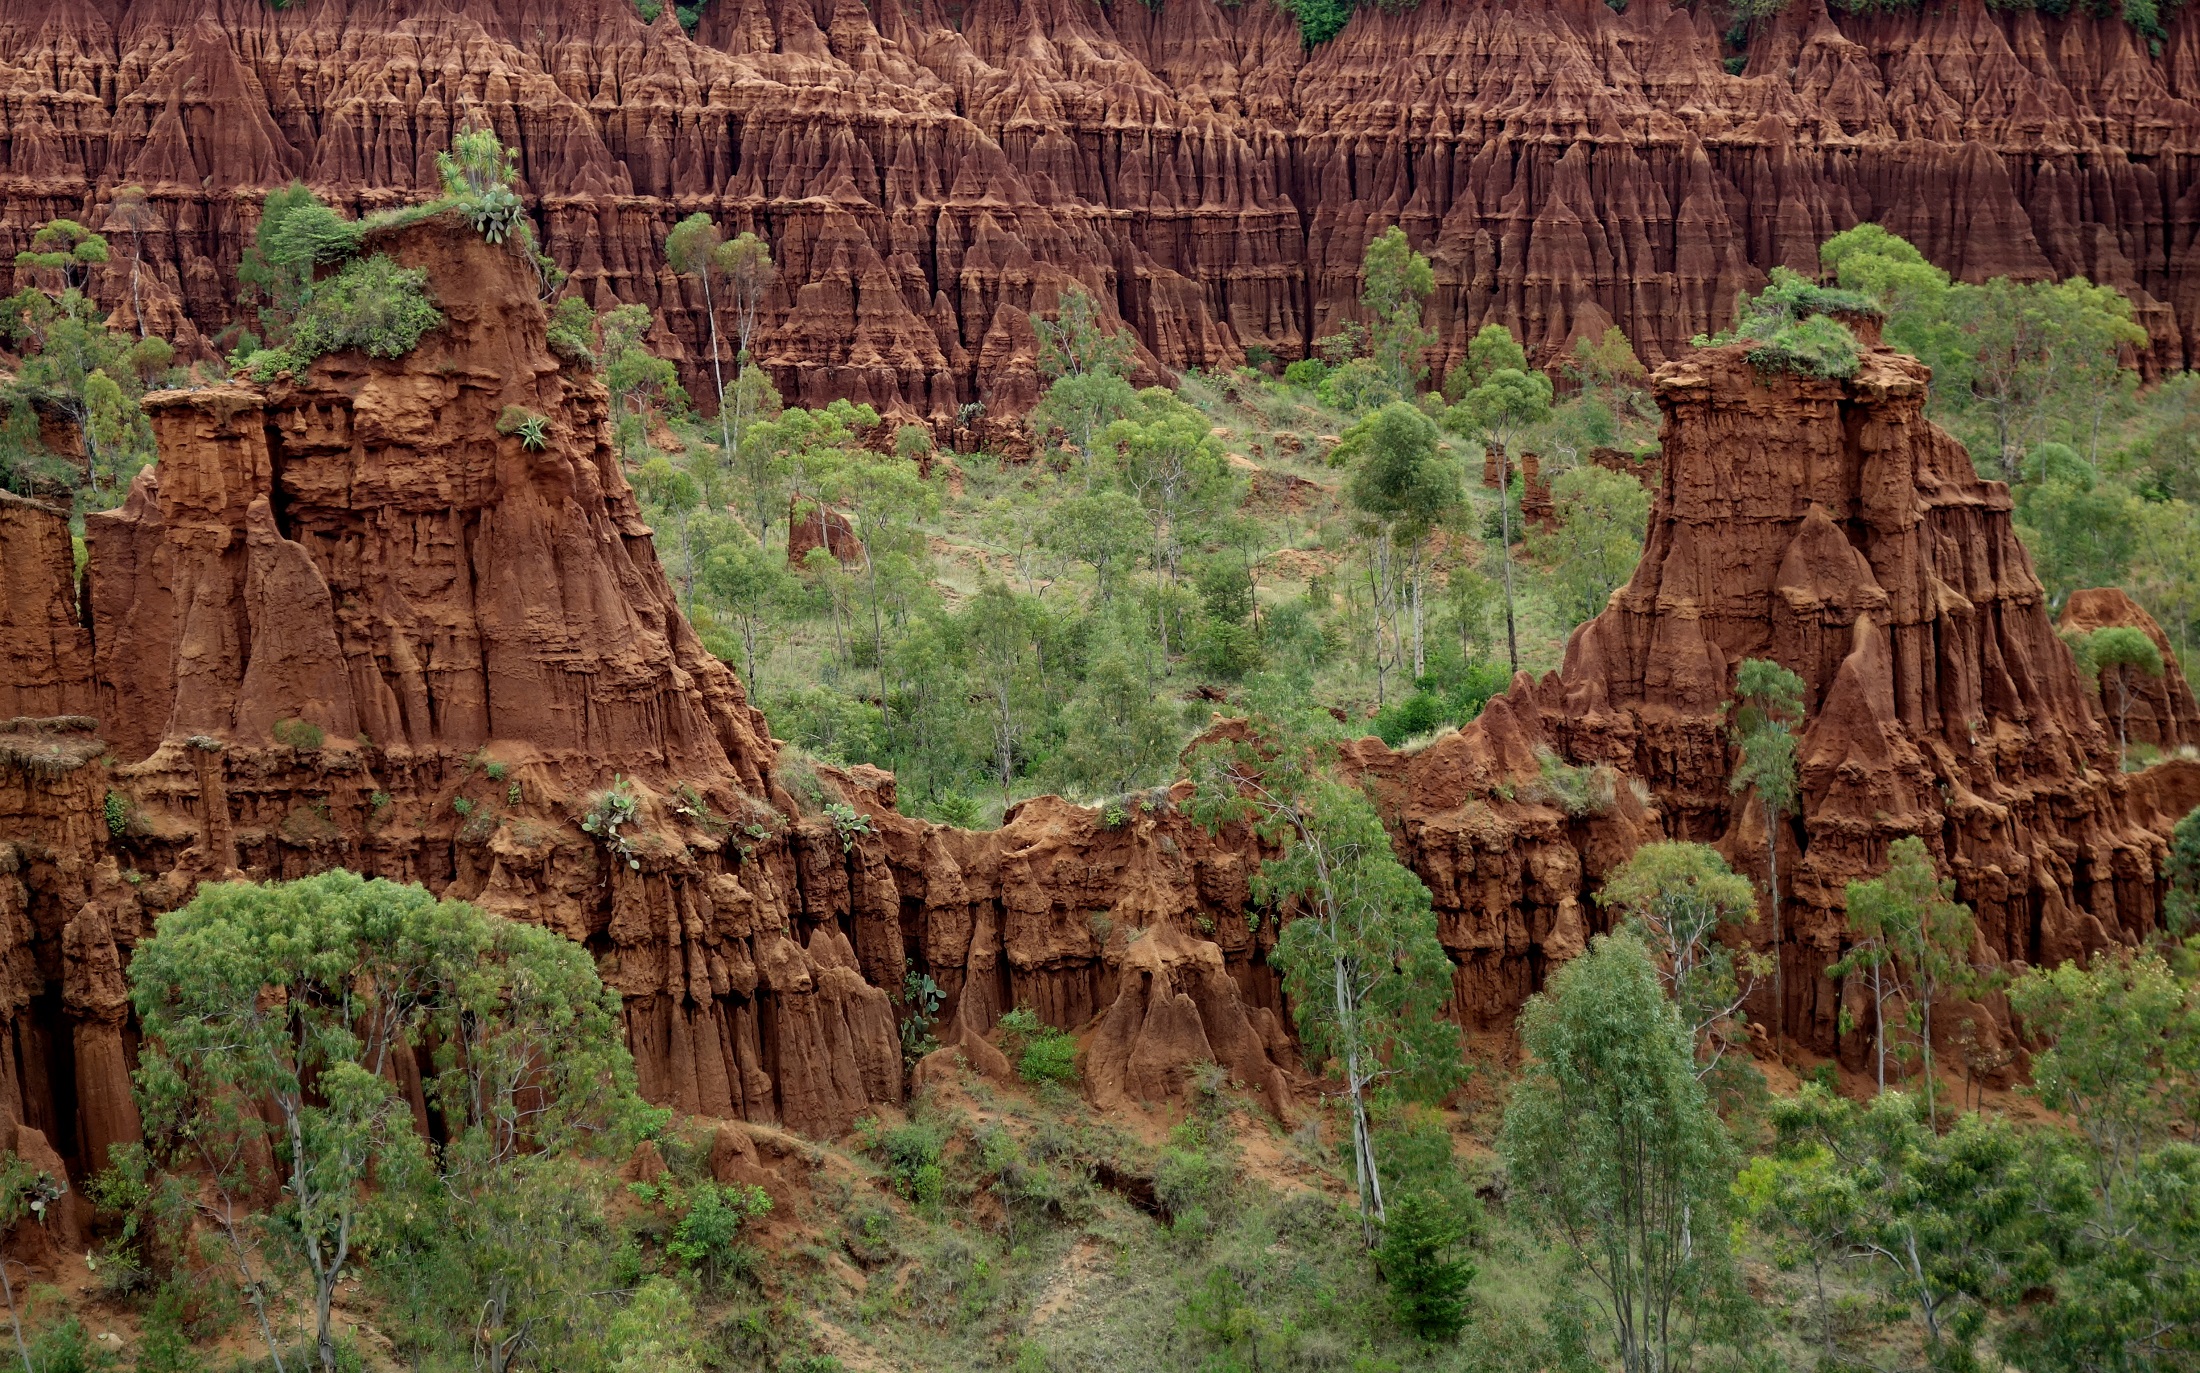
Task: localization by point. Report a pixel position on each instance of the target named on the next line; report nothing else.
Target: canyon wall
(348, 621)
(928, 171)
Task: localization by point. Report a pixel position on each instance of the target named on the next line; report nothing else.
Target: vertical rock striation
(927, 174)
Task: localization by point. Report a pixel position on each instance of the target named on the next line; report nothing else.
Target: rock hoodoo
(346, 621)
(928, 173)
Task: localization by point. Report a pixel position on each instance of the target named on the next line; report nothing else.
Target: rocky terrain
(928, 172)
(347, 621)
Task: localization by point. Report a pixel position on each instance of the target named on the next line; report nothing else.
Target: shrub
(1359, 387)
(1041, 1053)
(912, 1154)
(1309, 373)
(1420, 1261)
(266, 364)
(571, 331)
(608, 811)
(118, 814)
(372, 305)
(301, 735)
(533, 430)
(1789, 324)
(708, 1237)
(848, 823)
(1578, 791)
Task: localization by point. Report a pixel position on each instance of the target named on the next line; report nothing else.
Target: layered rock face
(927, 173)
(345, 621)
(1828, 526)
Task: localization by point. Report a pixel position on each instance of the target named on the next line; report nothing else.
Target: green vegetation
(74, 371)
(529, 1076)
(1366, 975)
(1041, 1053)
(1790, 327)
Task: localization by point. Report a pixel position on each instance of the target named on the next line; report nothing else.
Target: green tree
(1360, 958)
(1949, 1226)
(1082, 405)
(1499, 411)
(1606, 368)
(1805, 1198)
(1118, 731)
(2081, 531)
(1676, 898)
(2123, 1052)
(1423, 1265)
(1167, 461)
(1768, 709)
(2122, 1060)
(1926, 937)
(276, 1020)
(67, 247)
(297, 234)
(1911, 291)
(1404, 490)
(1492, 349)
(1612, 1147)
(1077, 343)
(296, 996)
(372, 305)
(749, 583)
(2028, 354)
(1003, 639)
(1104, 528)
(746, 262)
(696, 249)
(1597, 540)
(1398, 280)
(887, 496)
(2121, 655)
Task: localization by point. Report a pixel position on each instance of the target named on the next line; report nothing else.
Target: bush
(1815, 347)
(1309, 373)
(266, 364)
(571, 331)
(1041, 1053)
(912, 1155)
(301, 735)
(708, 1237)
(373, 305)
(1357, 388)
(1419, 1260)
(533, 430)
(1789, 324)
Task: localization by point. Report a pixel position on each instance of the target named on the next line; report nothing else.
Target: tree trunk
(717, 374)
(1505, 549)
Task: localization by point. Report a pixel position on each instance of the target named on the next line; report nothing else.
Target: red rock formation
(1828, 526)
(927, 174)
(45, 655)
(2161, 707)
(360, 551)
(345, 621)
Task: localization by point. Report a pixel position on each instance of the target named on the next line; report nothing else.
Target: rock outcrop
(346, 621)
(2161, 707)
(1828, 526)
(927, 173)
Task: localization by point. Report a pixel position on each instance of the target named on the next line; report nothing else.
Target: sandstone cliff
(345, 621)
(927, 173)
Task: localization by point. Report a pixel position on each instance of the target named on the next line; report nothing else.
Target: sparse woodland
(1631, 1181)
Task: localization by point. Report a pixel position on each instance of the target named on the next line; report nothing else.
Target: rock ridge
(345, 621)
(928, 174)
